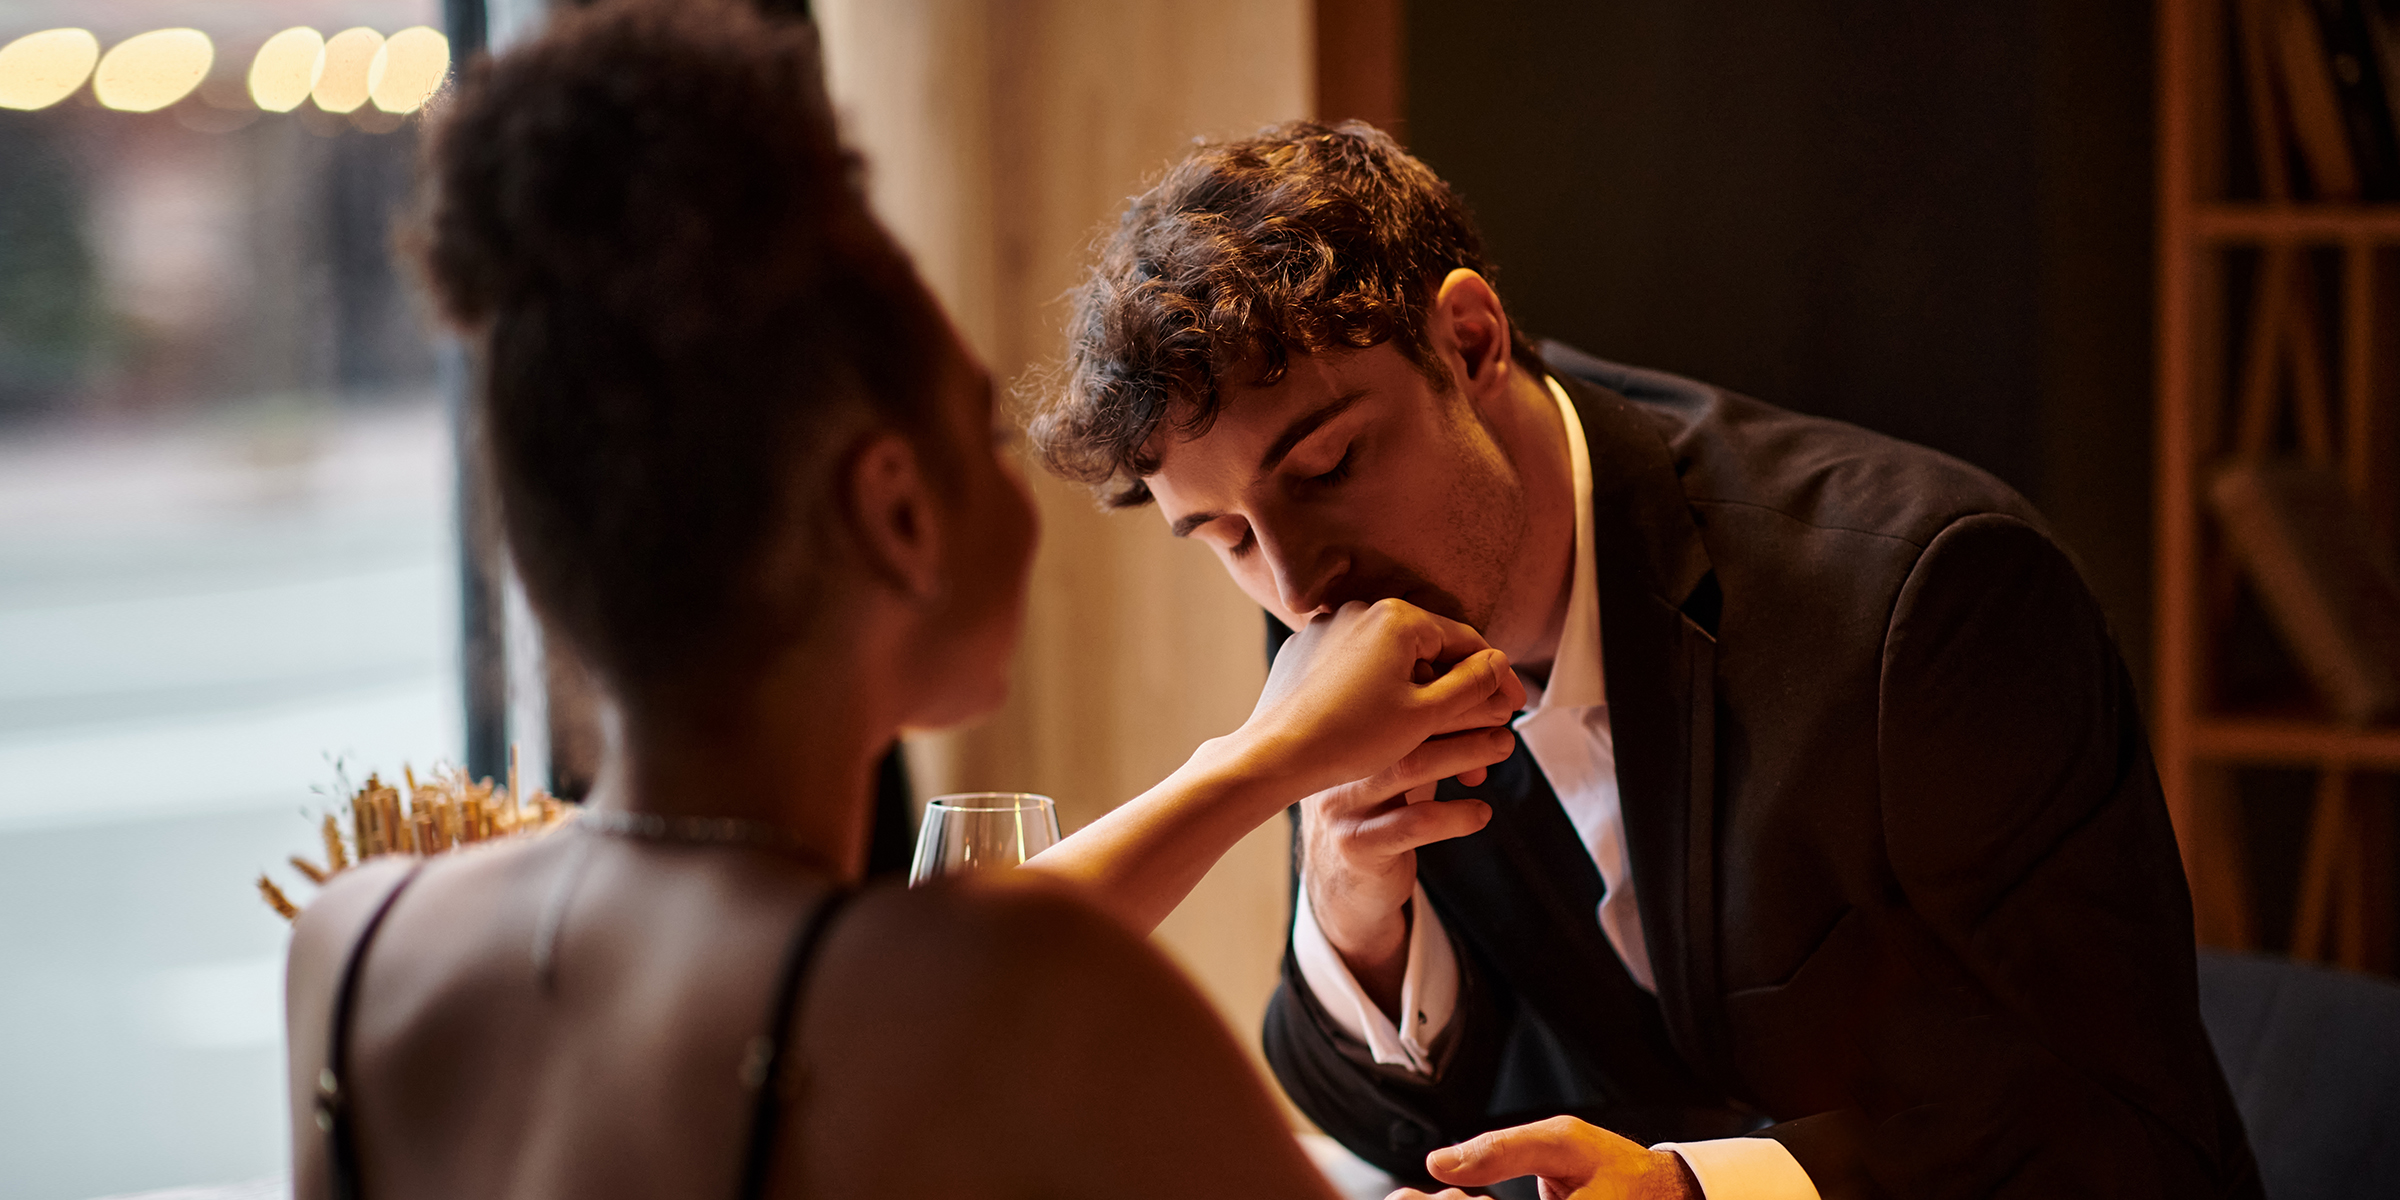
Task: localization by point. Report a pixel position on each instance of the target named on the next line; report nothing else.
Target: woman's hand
(1372, 702)
(1385, 691)
(1574, 1161)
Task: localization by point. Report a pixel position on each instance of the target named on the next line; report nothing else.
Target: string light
(343, 85)
(149, 71)
(408, 68)
(287, 69)
(41, 69)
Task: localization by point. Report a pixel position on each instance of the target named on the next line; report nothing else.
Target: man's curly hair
(1300, 239)
(680, 309)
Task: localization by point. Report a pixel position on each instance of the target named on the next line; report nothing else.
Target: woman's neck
(796, 750)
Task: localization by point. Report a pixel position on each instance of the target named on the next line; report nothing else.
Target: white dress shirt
(1565, 727)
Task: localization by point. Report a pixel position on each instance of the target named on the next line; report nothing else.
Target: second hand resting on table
(1573, 1160)
(1384, 696)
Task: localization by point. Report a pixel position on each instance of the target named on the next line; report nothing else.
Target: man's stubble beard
(1492, 537)
(1488, 523)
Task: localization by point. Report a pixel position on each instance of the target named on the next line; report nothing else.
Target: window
(227, 549)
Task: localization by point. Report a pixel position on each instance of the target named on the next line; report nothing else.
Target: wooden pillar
(1001, 138)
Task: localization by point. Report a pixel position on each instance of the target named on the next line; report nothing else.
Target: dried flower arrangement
(443, 813)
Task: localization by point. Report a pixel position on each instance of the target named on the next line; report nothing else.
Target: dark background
(1932, 219)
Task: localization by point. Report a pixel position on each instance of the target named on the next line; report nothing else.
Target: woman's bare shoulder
(1061, 1054)
(1020, 984)
(332, 922)
(339, 915)
(1004, 935)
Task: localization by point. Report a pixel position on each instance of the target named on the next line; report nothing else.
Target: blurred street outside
(195, 619)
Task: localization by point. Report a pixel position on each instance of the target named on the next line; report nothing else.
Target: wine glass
(972, 831)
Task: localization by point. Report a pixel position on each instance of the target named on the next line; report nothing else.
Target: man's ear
(1466, 313)
(892, 514)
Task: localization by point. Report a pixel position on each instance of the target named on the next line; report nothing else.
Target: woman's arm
(1385, 691)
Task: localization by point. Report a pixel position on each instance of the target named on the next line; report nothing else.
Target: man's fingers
(1414, 1194)
(1409, 826)
(1561, 1148)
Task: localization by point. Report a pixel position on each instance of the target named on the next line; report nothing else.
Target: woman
(747, 470)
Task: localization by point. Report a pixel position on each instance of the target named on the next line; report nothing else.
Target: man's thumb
(1545, 1148)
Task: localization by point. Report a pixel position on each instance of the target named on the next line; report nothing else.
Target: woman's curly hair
(1303, 238)
(648, 229)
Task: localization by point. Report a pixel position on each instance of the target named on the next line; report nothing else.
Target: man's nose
(1305, 574)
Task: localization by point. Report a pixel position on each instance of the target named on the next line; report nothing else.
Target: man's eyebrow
(1183, 527)
(1303, 426)
(1292, 435)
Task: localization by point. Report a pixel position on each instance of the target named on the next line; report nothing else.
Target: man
(1831, 857)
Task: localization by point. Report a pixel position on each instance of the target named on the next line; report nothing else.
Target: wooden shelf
(2270, 741)
(2332, 224)
(2300, 355)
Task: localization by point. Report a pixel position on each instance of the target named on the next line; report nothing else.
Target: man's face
(1353, 478)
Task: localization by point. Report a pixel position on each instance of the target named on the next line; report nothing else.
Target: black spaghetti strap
(333, 1098)
(763, 1066)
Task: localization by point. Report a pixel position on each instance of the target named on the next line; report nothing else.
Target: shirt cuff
(1744, 1168)
(1428, 991)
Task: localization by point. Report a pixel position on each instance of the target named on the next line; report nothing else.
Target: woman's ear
(1467, 319)
(893, 515)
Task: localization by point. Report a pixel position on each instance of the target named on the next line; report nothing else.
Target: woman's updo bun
(646, 226)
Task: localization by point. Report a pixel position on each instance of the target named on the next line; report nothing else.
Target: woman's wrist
(1264, 767)
(1141, 859)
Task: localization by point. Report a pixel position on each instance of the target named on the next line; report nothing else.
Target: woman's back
(614, 1069)
(946, 1042)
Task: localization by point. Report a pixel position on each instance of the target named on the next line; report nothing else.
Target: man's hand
(1575, 1161)
(1388, 700)
(1359, 864)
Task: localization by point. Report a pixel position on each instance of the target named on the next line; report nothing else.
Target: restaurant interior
(2107, 253)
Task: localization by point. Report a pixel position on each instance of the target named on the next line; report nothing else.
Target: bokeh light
(41, 69)
(408, 69)
(287, 69)
(149, 71)
(348, 55)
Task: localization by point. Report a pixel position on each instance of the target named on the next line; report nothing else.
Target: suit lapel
(1523, 893)
(1661, 675)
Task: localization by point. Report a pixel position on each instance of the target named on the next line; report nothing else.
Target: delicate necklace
(659, 827)
(641, 826)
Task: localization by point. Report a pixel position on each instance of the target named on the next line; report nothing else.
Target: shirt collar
(1577, 677)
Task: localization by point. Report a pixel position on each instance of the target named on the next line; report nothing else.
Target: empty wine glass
(973, 831)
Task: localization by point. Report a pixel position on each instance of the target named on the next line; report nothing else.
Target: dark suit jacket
(1909, 889)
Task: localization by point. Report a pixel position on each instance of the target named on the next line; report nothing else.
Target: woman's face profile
(989, 548)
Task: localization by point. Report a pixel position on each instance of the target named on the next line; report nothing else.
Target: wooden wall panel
(1002, 138)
